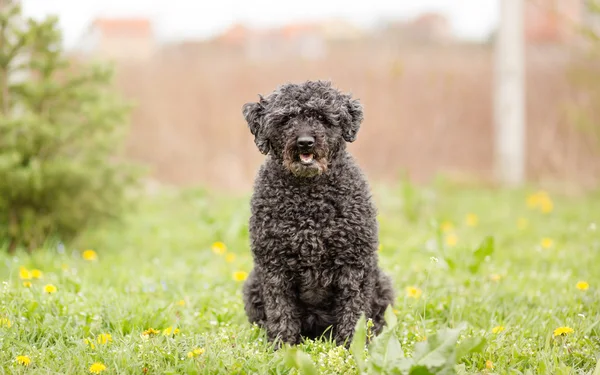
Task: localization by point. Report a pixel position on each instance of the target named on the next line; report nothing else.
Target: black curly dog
(313, 228)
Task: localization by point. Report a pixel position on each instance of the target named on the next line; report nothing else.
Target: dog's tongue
(306, 158)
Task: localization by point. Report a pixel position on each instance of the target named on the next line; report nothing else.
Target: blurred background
(423, 70)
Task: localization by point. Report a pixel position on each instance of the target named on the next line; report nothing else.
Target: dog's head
(304, 125)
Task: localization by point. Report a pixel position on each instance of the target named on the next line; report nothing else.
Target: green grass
(162, 255)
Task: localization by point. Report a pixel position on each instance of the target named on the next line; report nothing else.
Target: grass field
(158, 296)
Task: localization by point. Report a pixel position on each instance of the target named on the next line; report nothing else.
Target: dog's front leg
(283, 318)
(355, 290)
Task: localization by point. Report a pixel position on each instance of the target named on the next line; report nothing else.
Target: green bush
(60, 132)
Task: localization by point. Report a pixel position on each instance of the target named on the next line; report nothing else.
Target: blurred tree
(585, 74)
(60, 130)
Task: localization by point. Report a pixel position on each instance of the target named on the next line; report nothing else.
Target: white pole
(509, 96)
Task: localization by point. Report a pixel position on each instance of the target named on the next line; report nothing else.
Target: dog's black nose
(305, 141)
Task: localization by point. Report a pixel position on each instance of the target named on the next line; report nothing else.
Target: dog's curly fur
(313, 227)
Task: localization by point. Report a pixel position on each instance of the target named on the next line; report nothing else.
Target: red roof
(124, 26)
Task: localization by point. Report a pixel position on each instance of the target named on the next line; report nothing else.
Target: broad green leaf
(385, 350)
(485, 249)
(597, 370)
(390, 317)
(359, 340)
(420, 370)
(438, 350)
(469, 346)
(299, 360)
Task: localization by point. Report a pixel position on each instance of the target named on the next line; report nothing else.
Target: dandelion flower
(169, 330)
(546, 243)
(49, 288)
(195, 353)
(23, 360)
(522, 223)
(36, 274)
(495, 277)
(150, 332)
(540, 200)
(230, 258)
(446, 226)
(489, 364)
(104, 338)
(563, 331)
(497, 329)
(413, 292)
(472, 220)
(240, 275)
(219, 248)
(451, 240)
(24, 273)
(89, 343)
(97, 368)
(582, 285)
(5, 322)
(181, 302)
(546, 206)
(89, 255)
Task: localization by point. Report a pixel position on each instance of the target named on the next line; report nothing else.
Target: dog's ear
(352, 122)
(254, 114)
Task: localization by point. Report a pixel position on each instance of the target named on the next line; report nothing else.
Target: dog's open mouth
(306, 158)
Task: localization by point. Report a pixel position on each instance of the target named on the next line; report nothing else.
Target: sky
(189, 19)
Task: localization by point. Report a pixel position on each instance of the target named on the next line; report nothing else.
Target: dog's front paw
(344, 339)
(287, 335)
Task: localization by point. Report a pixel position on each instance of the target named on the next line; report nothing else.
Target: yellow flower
(5, 322)
(89, 343)
(489, 364)
(229, 258)
(413, 292)
(240, 275)
(49, 288)
(89, 255)
(97, 368)
(219, 248)
(547, 243)
(495, 277)
(540, 200)
(497, 329)
(36, 274)
(169, 330)
(563, 331)
(104, 338)
(451, 240)
(24, 273)
(446, 226)
(64, 267)
(380, 247)
(472, 220)
(181, 302)
(546, 206)
(195, 353)
(522, 223)
(582, 285)
(27, 284)
(150, 332)
(23, 360)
